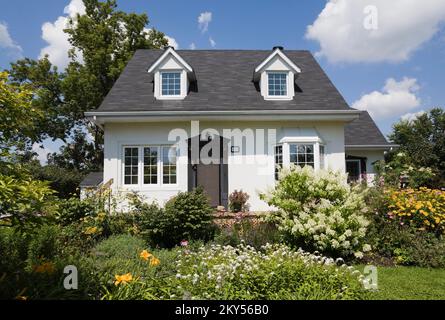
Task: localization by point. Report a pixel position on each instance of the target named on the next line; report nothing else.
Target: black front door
(212, 177)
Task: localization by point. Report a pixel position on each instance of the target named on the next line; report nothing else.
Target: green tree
(103, 40)
(423, 141)
(17, 115)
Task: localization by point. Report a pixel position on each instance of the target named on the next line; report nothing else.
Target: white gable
(277, 62)
(171, 61)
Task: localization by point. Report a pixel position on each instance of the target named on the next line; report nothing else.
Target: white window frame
(287, 96)
(286, 151)
(160, 160)
(123, 166)
(170, 96)
(274, 158)
(158, 183)
(141, 185)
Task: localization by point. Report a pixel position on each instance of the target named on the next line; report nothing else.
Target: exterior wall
(251, 169)
(371, 157)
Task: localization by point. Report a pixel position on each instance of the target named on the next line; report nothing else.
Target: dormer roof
(276, 53)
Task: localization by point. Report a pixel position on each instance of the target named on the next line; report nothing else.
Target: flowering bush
(274, 272)
(242, 272)
(319, 211)
(391, 172)
(423, 208)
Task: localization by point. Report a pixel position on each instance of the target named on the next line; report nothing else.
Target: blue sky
(407, 45)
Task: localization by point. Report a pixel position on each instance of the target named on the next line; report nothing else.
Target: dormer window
(277, 82)
(276, 76)
(171, 83)
(172, 76)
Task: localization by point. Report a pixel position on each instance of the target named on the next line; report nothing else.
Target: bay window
(278, 160)
(292, 152)
(302, 154)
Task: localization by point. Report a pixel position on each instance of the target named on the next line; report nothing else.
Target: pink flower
(184, 243)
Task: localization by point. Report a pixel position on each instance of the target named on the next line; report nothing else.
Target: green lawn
(410, 283)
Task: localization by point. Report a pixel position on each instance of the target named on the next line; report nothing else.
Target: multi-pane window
(277, 84)
(131, 160)
(302, 154)
(322, 157)
(168, 165)
(278, 160)
(171, 83)
(150, 165)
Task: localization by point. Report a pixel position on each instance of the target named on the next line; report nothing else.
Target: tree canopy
(423, 141)
(103, 40)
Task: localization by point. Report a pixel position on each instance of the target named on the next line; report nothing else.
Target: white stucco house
(226, 120)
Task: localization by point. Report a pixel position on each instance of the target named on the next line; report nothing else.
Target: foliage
(251, 231)
(64, 181)
(105, 38)
(275, 272)
(72, 155)
(17, 115)
(123, 261)
(23, 200)
(73, 210)
(319, 211)
(32, 265)
(399, 241)
(186, 216)
(238, 201)
(423, 141)
(400, 166)
(423, 208)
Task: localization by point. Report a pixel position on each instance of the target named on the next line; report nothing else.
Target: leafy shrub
(186, 216)
(24, 199)
(275, 272)
(125, 258)
(251, 231)
(44, 244)
(73, 210)
(423, 208)
(238, 201)
(401, 165)
(404, 244)
(319, 211)
(64, 181)
(13, 249)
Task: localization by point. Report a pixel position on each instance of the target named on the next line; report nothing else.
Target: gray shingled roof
(224, 82)
(92, 179)
(363, 131)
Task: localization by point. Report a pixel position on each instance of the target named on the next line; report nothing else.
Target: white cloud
(42, 152)
(52, 33)
(192, 46)
(212, 42)
(412, 116)
(203, 21)
(7, 43)
(396, 98)
(172, 42)
(403, 26)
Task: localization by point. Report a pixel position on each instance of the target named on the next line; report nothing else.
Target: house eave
(371, 147)
(102, 117)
